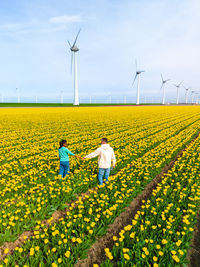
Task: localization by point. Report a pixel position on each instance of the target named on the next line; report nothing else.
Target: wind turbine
(197, 99)
(137, 76)
(186, 93)
(192, 94)
(177, 92)
(163, 87)
(75, 49)
(18, 95)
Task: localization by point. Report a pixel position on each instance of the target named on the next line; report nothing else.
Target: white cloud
(65, 19)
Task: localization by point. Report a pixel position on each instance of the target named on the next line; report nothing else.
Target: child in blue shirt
(64, 153)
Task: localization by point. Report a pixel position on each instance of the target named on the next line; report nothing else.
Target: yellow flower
(115, 238)
(67, 254)
(143, 255)
(6, 250)
(176, 258)
(164, 241)
(5, 260)
(126, 257)
(181, 252)
(173, 252)
(132, 235)
(155, 258)
(32, 251)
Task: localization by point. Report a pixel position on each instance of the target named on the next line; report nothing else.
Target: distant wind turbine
(18, 95)
(163, 87)
(186, 93)
(137, 76)
(61, 96)
(192, 94)
(177, 91)
(75, 49)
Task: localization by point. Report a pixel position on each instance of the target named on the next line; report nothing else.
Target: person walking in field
(64, 153)
(106, 155)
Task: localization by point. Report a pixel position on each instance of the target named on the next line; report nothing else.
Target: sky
(164, 37)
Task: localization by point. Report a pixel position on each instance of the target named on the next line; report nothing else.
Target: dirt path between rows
(194, 251)
(96, 254)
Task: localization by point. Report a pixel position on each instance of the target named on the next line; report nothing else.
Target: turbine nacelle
(178, 85)
(163, 81)
(139, 72)
(74, 49)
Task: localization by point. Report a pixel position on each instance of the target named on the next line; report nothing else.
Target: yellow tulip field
(46, 220)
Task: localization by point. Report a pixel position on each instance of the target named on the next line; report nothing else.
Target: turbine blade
(180, 83)
(168, 80)
(69, 43)
(161, 86)
(76, 37)
(134, 79)
(161, 77)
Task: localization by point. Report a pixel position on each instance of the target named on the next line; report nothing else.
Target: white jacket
(105, 155)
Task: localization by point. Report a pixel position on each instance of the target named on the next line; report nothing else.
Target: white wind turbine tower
(177, 92)
(75, 49)
(137, 76)
(186, 93)
(18, 95)
(197, 99)
(192, 94)
(163, 87)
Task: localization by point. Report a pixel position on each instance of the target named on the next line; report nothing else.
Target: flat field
(146, 215)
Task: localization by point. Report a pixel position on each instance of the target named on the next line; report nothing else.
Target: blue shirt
(63, 153)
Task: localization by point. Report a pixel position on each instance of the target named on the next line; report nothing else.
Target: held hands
(79, 157)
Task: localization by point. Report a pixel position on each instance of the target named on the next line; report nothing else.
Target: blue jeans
(64, 168)
(102, 172)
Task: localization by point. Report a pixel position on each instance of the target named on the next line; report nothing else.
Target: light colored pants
(101, 174)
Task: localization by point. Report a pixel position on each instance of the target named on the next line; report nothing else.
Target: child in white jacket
(105, 155)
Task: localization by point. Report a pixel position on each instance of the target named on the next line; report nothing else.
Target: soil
(194, 251)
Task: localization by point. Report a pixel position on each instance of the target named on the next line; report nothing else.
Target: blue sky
(35, 57)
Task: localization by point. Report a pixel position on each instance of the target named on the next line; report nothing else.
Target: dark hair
(62, 143)
(104, 139)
